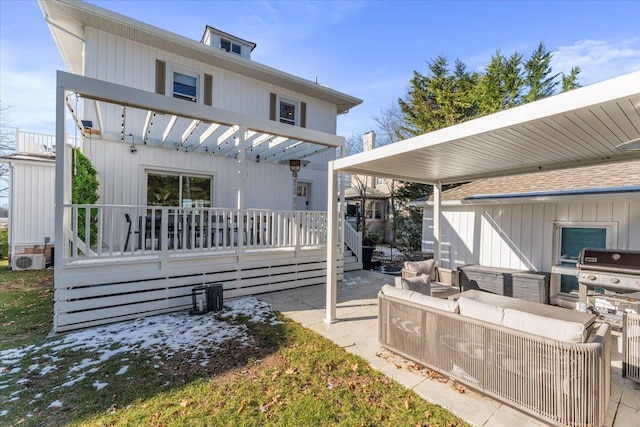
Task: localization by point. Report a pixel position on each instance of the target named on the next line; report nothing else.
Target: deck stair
(351, 262)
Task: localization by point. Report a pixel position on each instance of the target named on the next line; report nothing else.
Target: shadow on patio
(357, 332)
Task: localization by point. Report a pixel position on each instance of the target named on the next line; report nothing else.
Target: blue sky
(367, 49)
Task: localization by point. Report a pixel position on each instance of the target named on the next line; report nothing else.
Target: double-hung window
(185, 86)
(177, 189)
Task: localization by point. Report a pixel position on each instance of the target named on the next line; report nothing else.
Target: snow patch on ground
(123, 370)
(166, 335)
(55, 404)
(99, 386)
(352, 280)
(261, 310)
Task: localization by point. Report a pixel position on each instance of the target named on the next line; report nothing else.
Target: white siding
(32, 189)
(118, 60)
(269, 186)
(520, 236)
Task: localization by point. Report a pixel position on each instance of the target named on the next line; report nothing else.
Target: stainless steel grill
(615, 274)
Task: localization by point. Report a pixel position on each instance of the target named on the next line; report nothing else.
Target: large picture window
(175, 189)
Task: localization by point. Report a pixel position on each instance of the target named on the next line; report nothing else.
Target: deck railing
(40, 143)
(110, 231)
(353, 240)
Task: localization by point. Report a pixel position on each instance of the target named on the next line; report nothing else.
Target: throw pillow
(423, 267)
(420, 284)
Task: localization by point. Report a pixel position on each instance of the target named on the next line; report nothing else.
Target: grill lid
(613, 259)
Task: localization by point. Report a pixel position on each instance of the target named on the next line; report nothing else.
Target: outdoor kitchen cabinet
(521, 284)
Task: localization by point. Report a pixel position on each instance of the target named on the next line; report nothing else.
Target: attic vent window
(230, 46)
(287, 112)
(185, 86)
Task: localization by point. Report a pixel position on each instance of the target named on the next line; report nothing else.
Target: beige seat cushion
(427, 267)
(480, 310)
(556, 329)
(418, 298)
(420, 284)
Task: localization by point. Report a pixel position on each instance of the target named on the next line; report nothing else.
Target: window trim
(188, 71)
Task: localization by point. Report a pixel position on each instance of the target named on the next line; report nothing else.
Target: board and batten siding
(33, 191)
(118, 60)
(122, 176)
(521, 236)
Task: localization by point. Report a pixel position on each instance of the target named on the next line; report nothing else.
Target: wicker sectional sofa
(562, 378)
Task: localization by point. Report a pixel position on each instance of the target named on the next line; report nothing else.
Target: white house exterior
(194, 144)
(31, 199)
(539, 221)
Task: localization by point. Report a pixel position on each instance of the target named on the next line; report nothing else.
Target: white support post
(437, 230)
(242, 184)
(62, 194)
(343, 206)
(332, 245)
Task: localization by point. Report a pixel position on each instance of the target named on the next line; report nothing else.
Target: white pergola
(596, 124)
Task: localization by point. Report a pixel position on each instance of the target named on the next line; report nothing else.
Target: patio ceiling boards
(577, 128)
(156, 120)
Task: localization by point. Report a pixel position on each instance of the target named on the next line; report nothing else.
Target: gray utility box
(521, 284)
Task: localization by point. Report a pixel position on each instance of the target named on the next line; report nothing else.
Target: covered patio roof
(590, 125)
(577, 128)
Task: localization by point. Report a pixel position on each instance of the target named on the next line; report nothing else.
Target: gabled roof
(67, 19)
(598, 179)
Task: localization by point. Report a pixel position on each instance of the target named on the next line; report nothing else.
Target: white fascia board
(529, 200)
(104, 20)
(137, 98)
(598, 93)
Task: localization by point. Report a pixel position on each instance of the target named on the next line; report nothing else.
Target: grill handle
(608, 269)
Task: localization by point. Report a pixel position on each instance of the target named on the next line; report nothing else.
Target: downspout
(12, 214)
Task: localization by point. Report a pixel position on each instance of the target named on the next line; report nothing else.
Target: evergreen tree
(444, 98)
(440, 99)
(570, 81)
(500, 87)
(539, 76)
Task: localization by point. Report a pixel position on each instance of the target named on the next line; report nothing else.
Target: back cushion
(480, 310)
(420, 284)
(556, 329)
(418, 298)
(424, 267)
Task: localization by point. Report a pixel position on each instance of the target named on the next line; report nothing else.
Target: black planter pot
(367, 253)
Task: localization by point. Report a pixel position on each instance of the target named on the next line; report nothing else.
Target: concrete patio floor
(357, 332)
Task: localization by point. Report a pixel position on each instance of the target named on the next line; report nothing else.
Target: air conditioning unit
(29, 262)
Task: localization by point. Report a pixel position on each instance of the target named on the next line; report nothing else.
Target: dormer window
(185, 86)
(230, 46)
(288, 112)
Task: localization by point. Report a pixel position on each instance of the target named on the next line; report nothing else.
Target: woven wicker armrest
(407, 274)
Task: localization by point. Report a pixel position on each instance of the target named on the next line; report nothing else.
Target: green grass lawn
(286, 376)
